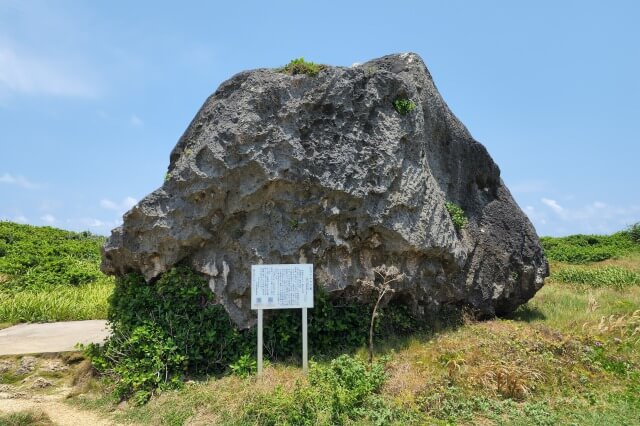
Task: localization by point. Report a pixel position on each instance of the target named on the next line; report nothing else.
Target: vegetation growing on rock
(457, 215)
(404, 106)
(300, 66)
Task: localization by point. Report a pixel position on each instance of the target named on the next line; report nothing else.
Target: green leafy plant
(345, 391)
(140, 362)
(404, 106)
(300, 66)
(457, 215)
(244, 367)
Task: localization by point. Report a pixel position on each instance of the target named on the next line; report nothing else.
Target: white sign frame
(282, 286)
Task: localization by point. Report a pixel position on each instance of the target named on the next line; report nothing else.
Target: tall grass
(56, 303)
(608, 276)
(49, 274)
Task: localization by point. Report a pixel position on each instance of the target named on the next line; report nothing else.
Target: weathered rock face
(294, 169)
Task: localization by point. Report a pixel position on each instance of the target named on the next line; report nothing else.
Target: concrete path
(51, 337)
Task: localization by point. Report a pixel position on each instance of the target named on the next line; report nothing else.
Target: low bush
(300, 66)
(33, 257)
(589, 248)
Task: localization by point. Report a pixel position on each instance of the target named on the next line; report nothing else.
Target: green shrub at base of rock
(172, 328)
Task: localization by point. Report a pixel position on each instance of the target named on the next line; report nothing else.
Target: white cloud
(136, 121)
(553, 205)
(119, 207)
(20, 181)
(48, 218)
(592, 218)
(22, 72)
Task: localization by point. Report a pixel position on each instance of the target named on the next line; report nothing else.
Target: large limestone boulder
(279, 168)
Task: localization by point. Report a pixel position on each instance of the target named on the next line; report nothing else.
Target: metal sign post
(260, 344)
(305, 348)
(284, 286)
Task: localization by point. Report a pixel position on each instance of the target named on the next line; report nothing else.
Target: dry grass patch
(214, 401)
(25, 418)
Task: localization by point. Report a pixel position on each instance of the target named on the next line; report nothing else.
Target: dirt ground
(42, 384)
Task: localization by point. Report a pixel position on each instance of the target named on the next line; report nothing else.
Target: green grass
(56, 303)
(571, 355)
(608, 276)
(49, 274)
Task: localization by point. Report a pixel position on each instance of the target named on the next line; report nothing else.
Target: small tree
(381, 287)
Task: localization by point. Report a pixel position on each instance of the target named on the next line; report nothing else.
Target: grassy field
(569, 356)
(49, 274)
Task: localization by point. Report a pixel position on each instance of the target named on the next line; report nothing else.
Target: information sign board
(282, 286)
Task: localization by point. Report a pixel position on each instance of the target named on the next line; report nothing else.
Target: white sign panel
(282, 286)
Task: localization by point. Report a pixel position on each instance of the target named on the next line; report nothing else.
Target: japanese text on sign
(282, 286)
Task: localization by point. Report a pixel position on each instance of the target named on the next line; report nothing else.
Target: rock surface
(277, 168)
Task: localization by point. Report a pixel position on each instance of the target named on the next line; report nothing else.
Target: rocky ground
(39, 385)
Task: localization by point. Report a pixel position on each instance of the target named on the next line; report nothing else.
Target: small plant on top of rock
(457, 215)
(404, 106)
(300, 66)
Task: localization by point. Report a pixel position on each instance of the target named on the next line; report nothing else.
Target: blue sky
(94, 95)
